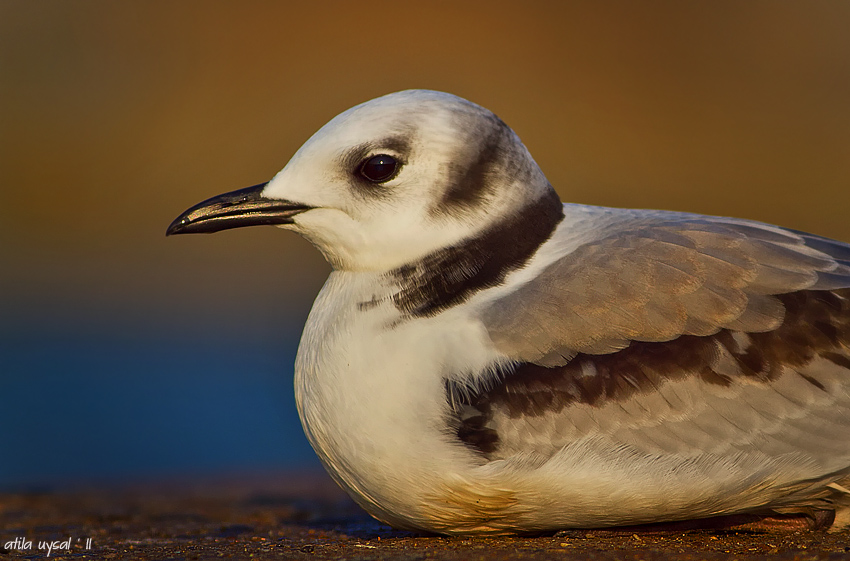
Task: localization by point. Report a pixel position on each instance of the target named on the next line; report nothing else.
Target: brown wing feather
(500, 420)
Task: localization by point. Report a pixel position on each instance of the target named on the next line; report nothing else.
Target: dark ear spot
(470, 179)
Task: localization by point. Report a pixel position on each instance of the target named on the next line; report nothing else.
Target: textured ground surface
(306, 517)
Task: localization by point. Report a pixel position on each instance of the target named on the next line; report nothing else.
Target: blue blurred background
(125, 355)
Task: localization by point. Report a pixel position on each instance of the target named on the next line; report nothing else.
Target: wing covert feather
(775, 395)
(655, 280)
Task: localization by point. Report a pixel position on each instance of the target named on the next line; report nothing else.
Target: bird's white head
(389, 181)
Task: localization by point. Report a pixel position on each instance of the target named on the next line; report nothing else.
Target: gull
(484, 358)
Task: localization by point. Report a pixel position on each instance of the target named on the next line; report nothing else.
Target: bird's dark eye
(380, 168)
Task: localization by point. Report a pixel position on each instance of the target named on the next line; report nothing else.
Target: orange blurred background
(117, 116)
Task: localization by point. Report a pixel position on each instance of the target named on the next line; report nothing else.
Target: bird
(486, 359)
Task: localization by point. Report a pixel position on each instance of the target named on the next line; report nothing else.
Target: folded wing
(682, 337)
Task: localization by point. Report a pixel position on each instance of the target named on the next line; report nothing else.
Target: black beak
(245, 207)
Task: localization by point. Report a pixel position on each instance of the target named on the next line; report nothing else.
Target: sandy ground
(298, 516)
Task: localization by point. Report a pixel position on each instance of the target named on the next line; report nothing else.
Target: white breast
(372, 398)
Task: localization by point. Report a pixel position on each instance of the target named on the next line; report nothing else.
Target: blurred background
(125, 355)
